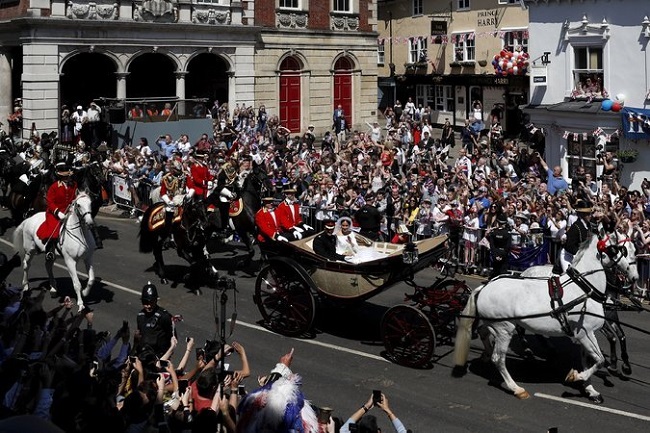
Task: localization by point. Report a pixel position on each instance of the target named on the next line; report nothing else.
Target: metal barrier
(130, 195)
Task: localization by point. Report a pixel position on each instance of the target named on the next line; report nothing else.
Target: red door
(290, 101)
(343, 94)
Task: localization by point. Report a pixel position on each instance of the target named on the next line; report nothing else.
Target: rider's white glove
(298, 229)
(190, 193)
(307, 227)
(282, 239)
(297, 234)
(60, 214)
(225, 192)
(210, 185)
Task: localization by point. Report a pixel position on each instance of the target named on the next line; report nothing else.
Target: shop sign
(487, 18)
(636, 123)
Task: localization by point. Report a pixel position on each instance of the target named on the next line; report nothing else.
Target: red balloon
(503, 53)
(617, 106)
(510, 71)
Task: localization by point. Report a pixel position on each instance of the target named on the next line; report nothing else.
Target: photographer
(360, 422)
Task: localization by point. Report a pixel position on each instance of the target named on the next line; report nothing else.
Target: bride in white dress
(346, 242)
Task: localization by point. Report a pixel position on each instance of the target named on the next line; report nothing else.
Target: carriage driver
(577, 233)
(289, 218)
(60, 196)
(266, 220)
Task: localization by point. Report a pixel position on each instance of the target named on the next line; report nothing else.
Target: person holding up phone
(368, 423)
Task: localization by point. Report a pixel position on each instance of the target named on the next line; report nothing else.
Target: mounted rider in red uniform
(200, 176)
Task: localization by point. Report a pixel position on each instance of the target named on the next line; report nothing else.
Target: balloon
(515, 55)
(617, 106)
(515, 70)
(607, 104)
(510, 65)
(503, 53)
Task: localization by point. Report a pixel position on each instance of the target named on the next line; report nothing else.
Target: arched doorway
(343, 86)
(87, 77)
(207, 77)
(290, 93)
(151, 75)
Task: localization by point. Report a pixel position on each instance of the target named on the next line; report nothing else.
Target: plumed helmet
(229, 170)
(149, 293)
(177, 166)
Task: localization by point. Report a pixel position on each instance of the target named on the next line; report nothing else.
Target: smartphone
(187, 340)
(133, 359)
(182, 386)
(324, 415)
(353, 427)
(164, 363)
(224, 374)
(376, 396)
(200, 353)
(241, 390)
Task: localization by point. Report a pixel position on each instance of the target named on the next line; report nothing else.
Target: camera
(225, 283)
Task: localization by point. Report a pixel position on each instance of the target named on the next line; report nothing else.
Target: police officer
(577, 233)
(155, 328)
(500, 242)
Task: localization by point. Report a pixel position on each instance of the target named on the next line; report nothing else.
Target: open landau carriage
(295, 280)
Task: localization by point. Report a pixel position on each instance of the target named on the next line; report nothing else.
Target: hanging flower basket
(627, 156)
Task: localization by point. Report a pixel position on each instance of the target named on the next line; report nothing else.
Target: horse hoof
(596, 399)
(164, 281)
(85, 292)
(572, 376)
(612, 369)
(459, 371)
(627, 369)
(53, 292)
(522, 395)
(198, 292)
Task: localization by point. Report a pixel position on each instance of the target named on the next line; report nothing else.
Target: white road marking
(247, 325)
(593, 406)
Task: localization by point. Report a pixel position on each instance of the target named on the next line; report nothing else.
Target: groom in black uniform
(325, 242)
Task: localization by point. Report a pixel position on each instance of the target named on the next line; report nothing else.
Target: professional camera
(211, 348)
(225, 283)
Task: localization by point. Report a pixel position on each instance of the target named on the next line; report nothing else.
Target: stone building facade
(57, 52)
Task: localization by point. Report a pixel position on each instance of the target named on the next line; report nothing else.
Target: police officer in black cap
(500, 242)
(155, 328)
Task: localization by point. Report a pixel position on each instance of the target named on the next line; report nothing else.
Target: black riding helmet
(149, 293)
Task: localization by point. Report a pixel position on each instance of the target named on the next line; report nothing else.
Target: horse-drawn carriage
(295, 281)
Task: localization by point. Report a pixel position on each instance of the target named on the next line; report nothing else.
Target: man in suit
(325, 242)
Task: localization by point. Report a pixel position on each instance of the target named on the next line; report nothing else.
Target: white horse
(75, 243)
(506, 302)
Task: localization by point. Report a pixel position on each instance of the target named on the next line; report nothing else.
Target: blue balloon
(607, 104)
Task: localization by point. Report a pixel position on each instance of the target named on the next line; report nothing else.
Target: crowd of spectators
(58, 370)
(431, 180)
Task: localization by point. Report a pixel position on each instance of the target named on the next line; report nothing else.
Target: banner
(636, 123)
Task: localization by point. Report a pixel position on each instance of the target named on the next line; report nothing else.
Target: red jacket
(199, 177)
(286, 219)
(266, 225)
(59, 198)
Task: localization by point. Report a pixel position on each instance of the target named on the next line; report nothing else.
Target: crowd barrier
(130, 194)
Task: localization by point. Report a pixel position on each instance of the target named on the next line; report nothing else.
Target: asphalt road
(342, 362)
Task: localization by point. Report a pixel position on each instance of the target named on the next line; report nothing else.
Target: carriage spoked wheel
(285, 300)
(408, 336)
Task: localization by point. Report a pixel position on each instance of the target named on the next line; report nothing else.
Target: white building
(588, 55)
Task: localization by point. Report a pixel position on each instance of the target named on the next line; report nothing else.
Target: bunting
(454, 37)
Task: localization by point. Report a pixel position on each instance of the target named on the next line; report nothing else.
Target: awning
(636, 123)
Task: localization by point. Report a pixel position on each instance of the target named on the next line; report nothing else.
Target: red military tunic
(59, 197)
(266, 224)
(200, 176)
(288, 215)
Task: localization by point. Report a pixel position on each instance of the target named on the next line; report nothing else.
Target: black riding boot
(98, 240)
(50, 250)
(224, 209)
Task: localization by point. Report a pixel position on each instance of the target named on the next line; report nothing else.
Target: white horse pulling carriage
(506, 302)
(75, 243)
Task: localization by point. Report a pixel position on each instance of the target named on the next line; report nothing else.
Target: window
(581, 150)
(417, 7)
(464, 47)
(463, 4)
(381, 52)
(444, 99)
(342, 6)
(514, 39)
(509, 2)
(417, 50)
(588, 74)
(290, 4)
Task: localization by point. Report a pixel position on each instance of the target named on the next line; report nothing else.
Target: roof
(580, 107)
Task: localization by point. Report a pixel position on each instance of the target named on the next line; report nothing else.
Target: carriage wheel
(285, 301)
(408, 336)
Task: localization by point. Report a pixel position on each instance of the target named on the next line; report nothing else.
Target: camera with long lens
(225, 283)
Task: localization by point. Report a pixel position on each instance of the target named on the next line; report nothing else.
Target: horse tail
(464, 336)
(19, 244)
(147, 236)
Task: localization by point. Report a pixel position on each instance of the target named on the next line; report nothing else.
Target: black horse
(89, 178)
(28, 191)
(190, 231)
(255, 187)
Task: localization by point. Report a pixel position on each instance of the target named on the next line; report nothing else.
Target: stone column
(180, 92)
(232, 91)
(6, 102)
(121, 84)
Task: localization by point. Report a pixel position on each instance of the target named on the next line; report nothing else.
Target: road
(342, 362)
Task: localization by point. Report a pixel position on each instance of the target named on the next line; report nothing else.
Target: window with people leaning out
(585, 152)
(588, 74)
